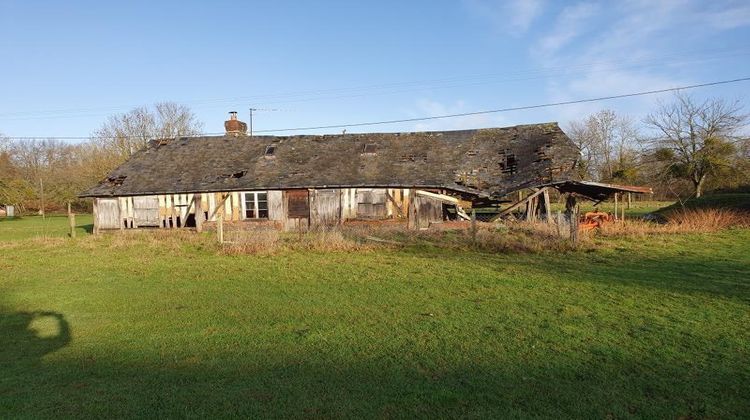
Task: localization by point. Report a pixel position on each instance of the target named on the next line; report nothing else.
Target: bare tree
(124, 134)
(695, 140)
(607, 142)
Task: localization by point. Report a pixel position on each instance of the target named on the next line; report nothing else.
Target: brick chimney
(235, 127)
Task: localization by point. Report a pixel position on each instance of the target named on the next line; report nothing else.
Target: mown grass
(732, 201)
(147, 326)
(53, 226)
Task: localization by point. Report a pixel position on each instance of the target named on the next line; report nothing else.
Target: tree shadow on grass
(27, 336)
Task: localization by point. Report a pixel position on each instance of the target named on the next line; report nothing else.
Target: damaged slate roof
(485, 162)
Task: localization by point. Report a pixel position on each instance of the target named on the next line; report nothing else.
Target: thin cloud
(569, 24)
(513, 17)
(624, 33)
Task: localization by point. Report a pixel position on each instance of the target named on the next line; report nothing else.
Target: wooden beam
(443, 197)
(197, 199)
(219, 205)
(395, 204)
(517, 204)
(187, 212)
(462, 213)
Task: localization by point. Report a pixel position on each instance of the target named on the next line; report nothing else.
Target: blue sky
(65, 66)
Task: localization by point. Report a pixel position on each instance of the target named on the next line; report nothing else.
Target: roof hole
(116, 180)
(235, 175)
(370, 149)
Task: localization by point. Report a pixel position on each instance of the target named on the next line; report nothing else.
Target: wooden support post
(571, 210)
(121, 214)
(71, 222)
(173, 210)
(95, 211)
(411, 214)
(547, 208)
(220, 222)
(197, 199)
(531, 207)
(630, 200)
(615, 206)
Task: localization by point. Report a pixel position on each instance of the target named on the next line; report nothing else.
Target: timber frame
(302, 182)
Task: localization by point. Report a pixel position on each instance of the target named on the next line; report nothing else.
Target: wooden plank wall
(174, 209)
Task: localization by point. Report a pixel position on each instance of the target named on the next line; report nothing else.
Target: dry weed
(682, 221)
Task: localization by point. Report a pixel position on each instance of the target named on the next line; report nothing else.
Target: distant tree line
(48, 173)
(683, 148)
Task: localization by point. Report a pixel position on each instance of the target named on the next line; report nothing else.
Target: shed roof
(484, 162)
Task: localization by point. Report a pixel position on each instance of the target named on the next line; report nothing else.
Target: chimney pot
(235, 127)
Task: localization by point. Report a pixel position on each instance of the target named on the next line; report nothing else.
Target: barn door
(427, 211)
(108, 213)
(146, 211)
(371, 203)
(325, 208)
(298, 209)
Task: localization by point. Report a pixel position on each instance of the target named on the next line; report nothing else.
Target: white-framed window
(255, 205)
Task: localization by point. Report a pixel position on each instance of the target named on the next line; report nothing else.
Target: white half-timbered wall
(327, 206)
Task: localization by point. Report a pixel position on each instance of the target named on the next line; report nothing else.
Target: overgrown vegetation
(166, 324)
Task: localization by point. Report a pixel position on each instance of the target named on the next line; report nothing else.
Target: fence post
(71, 222)
(571, 210)
(616, 216)
(473, 226)
(220, 221)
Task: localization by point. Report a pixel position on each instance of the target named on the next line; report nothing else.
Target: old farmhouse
(299, 182)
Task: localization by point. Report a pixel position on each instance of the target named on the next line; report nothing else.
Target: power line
(437, 117)
(519, 108)
(393, 87)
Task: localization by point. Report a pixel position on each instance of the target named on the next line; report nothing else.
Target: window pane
(250, 205)
(263, 214)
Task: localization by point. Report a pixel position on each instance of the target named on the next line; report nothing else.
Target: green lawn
(735, 201)
(106, 327)
(37, 227)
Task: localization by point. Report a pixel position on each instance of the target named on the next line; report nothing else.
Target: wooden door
(325, 208)
(108, 213)
(371, 203)
(146, 211)
(427, 210)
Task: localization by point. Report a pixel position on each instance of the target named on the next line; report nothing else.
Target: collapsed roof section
(483, 163)
(596, 191)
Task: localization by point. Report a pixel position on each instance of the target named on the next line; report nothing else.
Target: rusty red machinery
(594, 219)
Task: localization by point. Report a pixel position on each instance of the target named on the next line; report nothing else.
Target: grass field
(131, 326)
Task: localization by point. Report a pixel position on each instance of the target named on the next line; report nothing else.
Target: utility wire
(311, 95)
(519, 108)
(437, 117)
